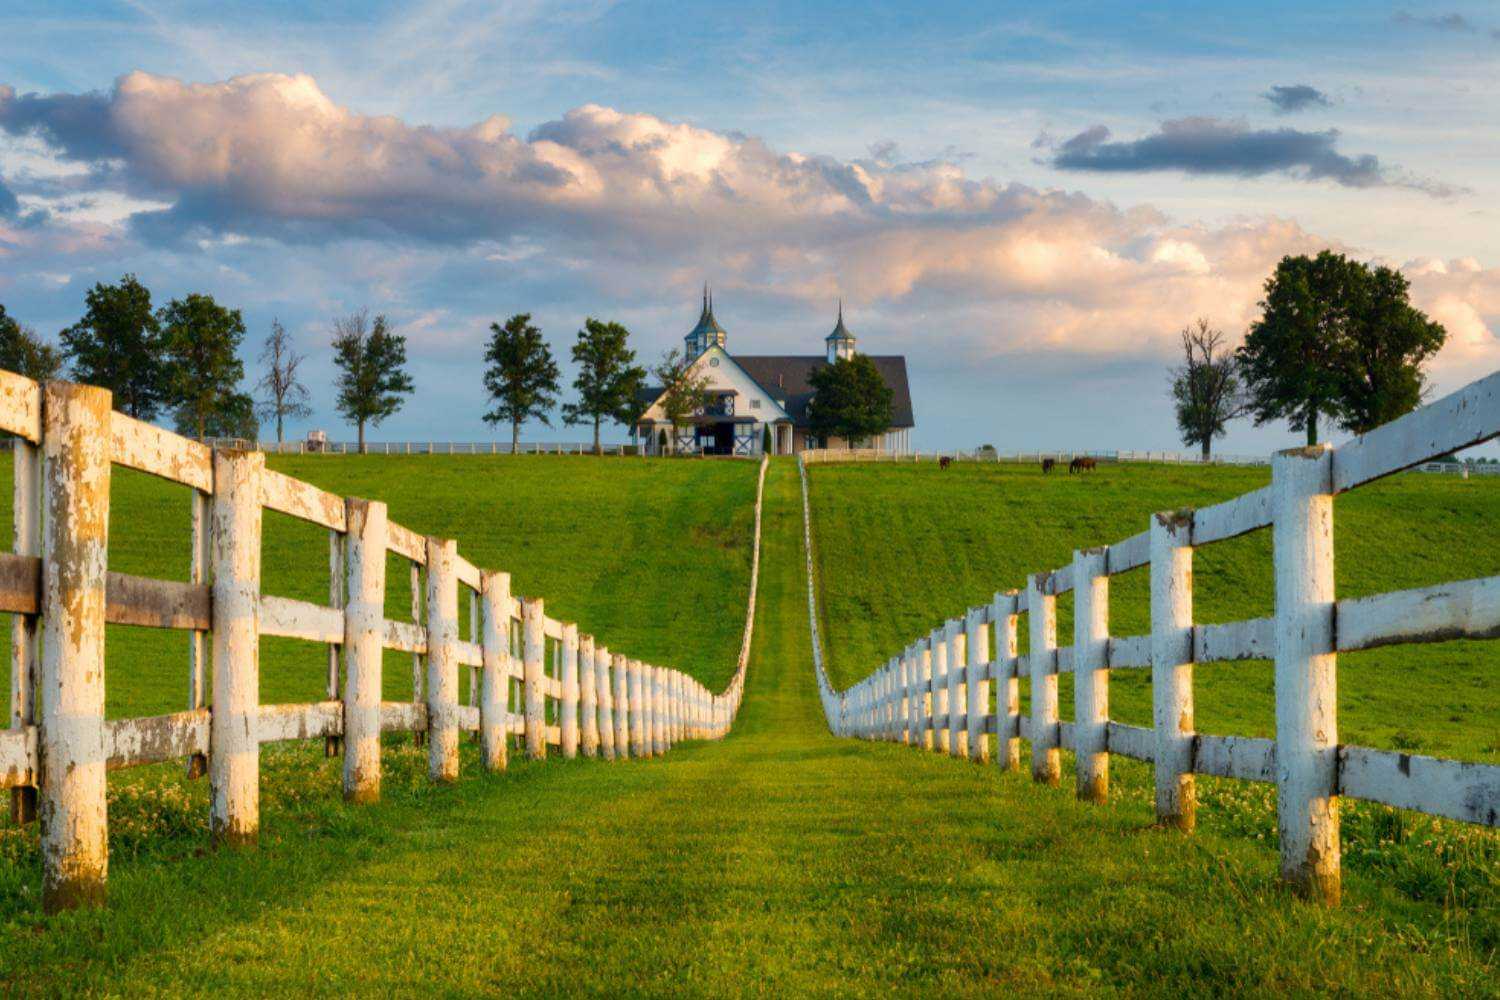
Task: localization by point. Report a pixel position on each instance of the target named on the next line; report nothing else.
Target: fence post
(913, 697)
(234, 739)
(622, 706)
(638, 746)
(1008, 682)
(958, 736)
(567, 705)
(926, 726)
(494, 710)
(70, 737)
(939, 682)
(659, 720)
(442, 660)
(1041, 662)
(605, 696)
(1091, 673)
(1172, 667)
(588, 706)
(534, 642)
(199, 572)
(978, 643)
(364, 647)
(24, 649)
(1307, 809)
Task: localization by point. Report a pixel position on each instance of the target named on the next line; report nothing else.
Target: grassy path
(780, 861)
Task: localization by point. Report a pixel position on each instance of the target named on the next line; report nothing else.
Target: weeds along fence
(936, 693)
(530, 676)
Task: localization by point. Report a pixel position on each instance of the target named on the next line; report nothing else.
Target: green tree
(372, 375)
(24, 352)
(683, 390)
(1206, 387)
(1387, 341)
(521, 376)
(850, 400)
(117, 345)
(285, 395)
(1335, 339)
(233, 417)
(201, 362)
(608, 380)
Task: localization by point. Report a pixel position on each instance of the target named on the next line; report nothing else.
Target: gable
(726, 375)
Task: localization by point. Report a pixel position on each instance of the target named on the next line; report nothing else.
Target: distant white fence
(936, 692)
(823, 456)
(58, 586)
(423, 447)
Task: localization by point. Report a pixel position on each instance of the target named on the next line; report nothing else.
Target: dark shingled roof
(785, 377)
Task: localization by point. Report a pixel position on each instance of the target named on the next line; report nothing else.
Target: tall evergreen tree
(117, 345)
(200, 348)
(24, 352)
(372, 375)
(608, 379)
(520, 377)
(850, 401)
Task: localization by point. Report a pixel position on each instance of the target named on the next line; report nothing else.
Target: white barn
(747, 394)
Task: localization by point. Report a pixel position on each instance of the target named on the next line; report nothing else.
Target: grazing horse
(1048, 464)
(1080, 464)
(944, 462)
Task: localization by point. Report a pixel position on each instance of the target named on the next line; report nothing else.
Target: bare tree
(285, 395)
(1207, 387)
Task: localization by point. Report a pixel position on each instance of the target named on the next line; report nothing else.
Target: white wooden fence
(815, 456)
(936, 693)
(530, 675)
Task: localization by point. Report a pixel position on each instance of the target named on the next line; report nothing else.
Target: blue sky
(1026, 202)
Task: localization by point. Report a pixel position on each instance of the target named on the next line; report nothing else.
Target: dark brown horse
(944, 462)
(1048, 464)
(1081, 464)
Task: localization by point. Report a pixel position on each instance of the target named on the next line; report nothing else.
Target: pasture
(778, 861)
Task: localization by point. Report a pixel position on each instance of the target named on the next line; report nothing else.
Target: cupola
(840, 342)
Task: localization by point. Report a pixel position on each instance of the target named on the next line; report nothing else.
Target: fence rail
(936, 693)
(530, 675)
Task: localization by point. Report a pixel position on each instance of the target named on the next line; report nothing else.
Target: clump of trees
(1337, 340)
(24, 352)
(609, 381)
(520, 375)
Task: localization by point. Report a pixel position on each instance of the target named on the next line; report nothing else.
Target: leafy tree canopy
(372, 375)
(201, 362)
(520, 375)
(117, 345)
(851, 400)
(22, 351)
(608, 381)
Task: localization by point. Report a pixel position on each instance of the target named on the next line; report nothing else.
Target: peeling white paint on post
(533, 664)
(622, 706)
(606, 696)
(1008, 688)
(234, 738)
(637, 711)
(958, 736)
(1172, 667)
(588, 705)
(978, 643)
(494, 680)
(26, 495)
(1041, 659)
(1307, 810)
(75, 546)
(1091, 673)
(364, 642)
(442, 660)
(567, 707)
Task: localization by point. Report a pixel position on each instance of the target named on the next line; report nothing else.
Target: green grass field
(779, 861)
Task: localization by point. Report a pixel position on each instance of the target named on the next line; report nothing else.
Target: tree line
(1337, 340)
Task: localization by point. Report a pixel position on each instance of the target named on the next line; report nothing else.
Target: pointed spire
(705, 298)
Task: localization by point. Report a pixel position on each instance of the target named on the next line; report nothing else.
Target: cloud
(264, 189)
(1287, 99)
(1439, 22)
(1216, 146)
(9, 206)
